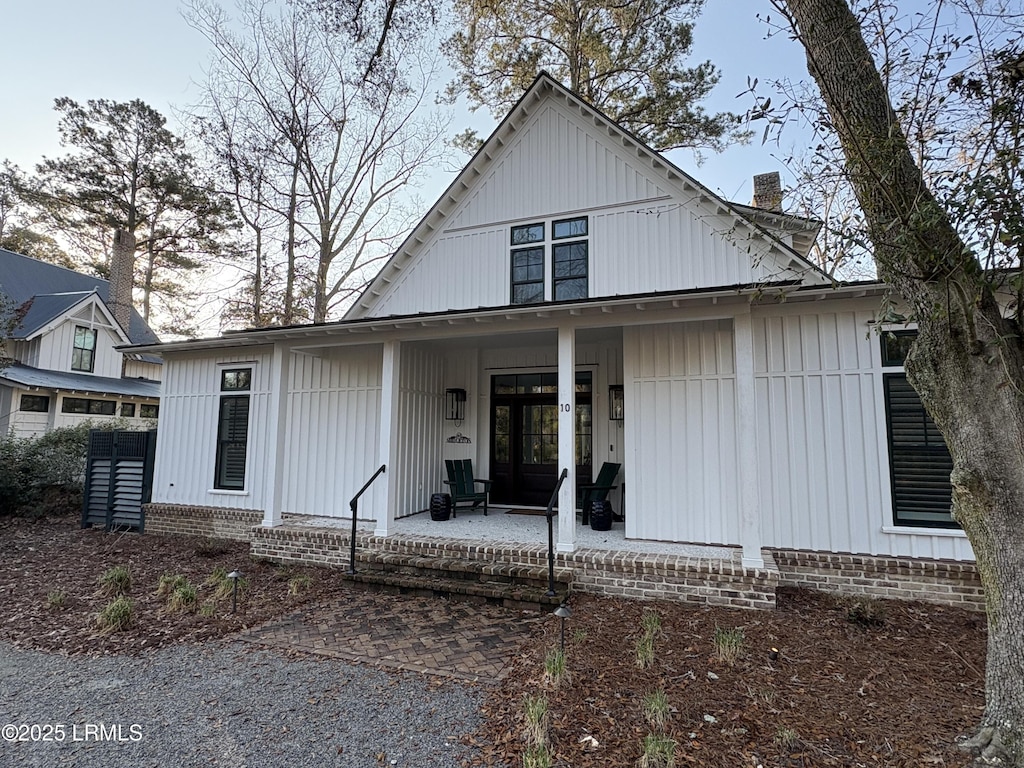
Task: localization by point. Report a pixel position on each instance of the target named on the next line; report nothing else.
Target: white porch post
(277, 418)
(746, 422)
(567, 438)
(386, 494)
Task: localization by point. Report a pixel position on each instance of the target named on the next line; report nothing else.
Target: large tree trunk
(967, 363)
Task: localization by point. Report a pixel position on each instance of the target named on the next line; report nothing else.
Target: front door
(524, 436)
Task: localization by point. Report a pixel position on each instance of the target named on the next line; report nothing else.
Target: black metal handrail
(551, 535)
(354, 506)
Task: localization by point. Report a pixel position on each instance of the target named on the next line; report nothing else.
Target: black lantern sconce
(454, 404)
(616, 406)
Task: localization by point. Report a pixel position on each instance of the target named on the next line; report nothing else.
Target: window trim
(513, 283)
(557, 281)
(23, 409)
(238, 394)
(890, 371)
(80, 351)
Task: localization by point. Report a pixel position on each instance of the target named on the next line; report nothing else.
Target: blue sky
(125, 49)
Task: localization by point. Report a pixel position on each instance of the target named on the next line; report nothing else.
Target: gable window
(919, 462)
(232, 429)
(35, 403)
(83, 354)
(527, 264)
(569, 260)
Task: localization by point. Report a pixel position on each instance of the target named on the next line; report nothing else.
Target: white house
(566, 266)
(63, 365)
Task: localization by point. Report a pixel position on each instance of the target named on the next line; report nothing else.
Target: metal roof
(37, 378)
(44, 307)
(22, 278)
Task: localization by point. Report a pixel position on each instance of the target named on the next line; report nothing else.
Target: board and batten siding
(680, 432)
(186, 448)
(557, 161)
(420, 427)
(821, 437)
(333, 423)
(55, 349)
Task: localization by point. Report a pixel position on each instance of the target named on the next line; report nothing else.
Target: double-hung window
(919, 463)
(232, 429)
(83, 354)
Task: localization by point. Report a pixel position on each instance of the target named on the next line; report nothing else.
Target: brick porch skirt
(610, 572)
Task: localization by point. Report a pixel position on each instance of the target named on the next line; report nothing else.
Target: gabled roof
(37, 378)
(23, 278)
(44, 308)
(542, 87)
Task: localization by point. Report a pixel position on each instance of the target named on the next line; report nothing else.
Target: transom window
(83, 354)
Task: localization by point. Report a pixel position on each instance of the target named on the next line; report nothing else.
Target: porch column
(385, 493)
(746, 434)
(277, 419)
(567, 438)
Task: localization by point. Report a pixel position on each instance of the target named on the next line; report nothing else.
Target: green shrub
(44, 475)
(116, 581)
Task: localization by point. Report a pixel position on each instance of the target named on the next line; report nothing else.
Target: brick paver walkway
(420, 634)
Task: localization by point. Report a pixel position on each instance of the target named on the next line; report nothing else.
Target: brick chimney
(122, 266)
(768, 191)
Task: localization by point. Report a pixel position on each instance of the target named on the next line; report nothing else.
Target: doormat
(540, 512)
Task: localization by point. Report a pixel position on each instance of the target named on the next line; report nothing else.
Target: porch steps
(516, 586)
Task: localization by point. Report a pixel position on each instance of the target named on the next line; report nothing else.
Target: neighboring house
(583, 300)
(64, 365)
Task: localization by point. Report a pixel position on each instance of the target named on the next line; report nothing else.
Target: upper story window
(83, 354)
(569, 261)
(527, 264)
(919, 463)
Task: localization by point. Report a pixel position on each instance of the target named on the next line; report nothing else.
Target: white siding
(558, 161)
(824, 469)
(333, 409)
(56, 346)
(139, 369)
(420, 425)
(186, 447)
(680, 432)
(646, 233)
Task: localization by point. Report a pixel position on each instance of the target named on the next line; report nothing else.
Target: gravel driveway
(226, 704)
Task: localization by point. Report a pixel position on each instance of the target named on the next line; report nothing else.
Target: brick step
(433, 584)
(462, 569)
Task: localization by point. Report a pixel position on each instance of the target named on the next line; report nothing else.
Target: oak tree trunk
(967, 363)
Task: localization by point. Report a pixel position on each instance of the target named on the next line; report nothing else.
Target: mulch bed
(875, 683)
(896, 686)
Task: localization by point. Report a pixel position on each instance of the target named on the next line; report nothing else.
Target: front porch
(497, 549)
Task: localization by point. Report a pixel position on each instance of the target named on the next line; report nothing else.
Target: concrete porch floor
(499, 527)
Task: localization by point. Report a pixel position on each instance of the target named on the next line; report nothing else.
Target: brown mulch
(886, 690)
(875, 683)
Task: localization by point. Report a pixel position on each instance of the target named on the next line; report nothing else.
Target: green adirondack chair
(463, 486)
(598, 491)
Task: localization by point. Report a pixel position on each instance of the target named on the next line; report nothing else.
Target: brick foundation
(947, 582)
(209, 522)
(609, 572)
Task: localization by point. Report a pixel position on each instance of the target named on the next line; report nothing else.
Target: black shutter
(918, 459)
(232, 434)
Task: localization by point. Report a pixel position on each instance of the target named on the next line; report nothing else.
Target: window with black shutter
(919, 462)
(232, 430)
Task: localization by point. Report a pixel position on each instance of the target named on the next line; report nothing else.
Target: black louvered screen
(118, 478)
(918, 459)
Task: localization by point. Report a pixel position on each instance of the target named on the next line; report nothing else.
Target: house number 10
(565, 408)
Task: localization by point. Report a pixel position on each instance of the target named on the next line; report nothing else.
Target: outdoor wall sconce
(454, 404)
(616, 406)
